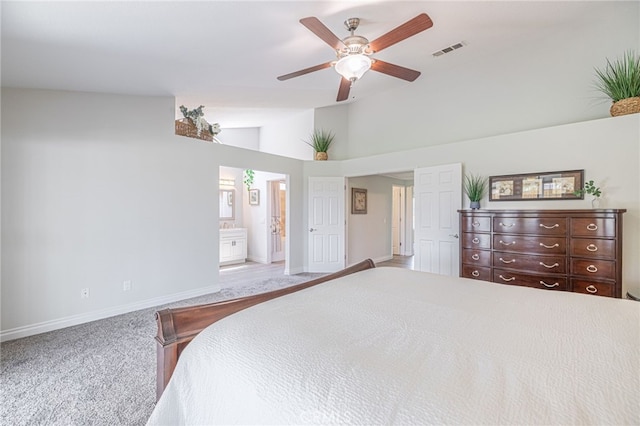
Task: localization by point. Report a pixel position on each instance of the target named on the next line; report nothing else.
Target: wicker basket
(321, 156)
(186, 127)
(625, 106)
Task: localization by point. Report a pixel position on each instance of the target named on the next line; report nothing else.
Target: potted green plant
(320, 140)
(591, 189)
(620, 82)
(475, 187)
(249, 175)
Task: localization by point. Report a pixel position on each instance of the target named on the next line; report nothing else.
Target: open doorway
(385, 232)
(278, 208)
(252, 225)
(402, 220)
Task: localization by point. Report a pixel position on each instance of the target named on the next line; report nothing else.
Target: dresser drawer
(530, 263)
(593, 227)
(476, 224)
(525, 279)
(593, 287)
(476, 272)
(477, 241)
(530, 225)
(530, 244)
(476, 257)
(594, 268)
(591, 247)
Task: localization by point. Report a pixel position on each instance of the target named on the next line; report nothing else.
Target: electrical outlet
(84, 293)
(126, 286)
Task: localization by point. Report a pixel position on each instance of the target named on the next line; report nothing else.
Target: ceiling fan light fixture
(352, 67)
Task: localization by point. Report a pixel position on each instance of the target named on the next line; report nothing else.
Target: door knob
(454, 235)
(312, 229)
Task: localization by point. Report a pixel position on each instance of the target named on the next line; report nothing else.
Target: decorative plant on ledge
(620, 81)
(197, 117)
(474, 187)
(320, 141)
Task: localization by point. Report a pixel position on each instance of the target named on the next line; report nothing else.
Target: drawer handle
(475, 224)
(476, 241)
(507, 261)
(550, 247)
(475, 273)
(592, 289)
(592, 227)
(542, 225)
(549, 266)
(592, 247)
(549, 285)
(507, 279)
(507, 244)
(475, 256)
(592, 268)
(506, 226)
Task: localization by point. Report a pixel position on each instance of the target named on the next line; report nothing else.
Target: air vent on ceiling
(448, 49)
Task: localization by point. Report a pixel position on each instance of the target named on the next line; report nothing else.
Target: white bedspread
(394, 346)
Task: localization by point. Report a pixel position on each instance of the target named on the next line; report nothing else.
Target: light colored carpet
(99, 373)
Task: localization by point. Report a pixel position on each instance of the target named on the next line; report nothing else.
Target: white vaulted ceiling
(226, 55)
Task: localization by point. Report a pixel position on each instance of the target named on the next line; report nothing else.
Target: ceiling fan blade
(406, 30)
(305, 71)
(395, 70)
(319, 29)
(343, 90)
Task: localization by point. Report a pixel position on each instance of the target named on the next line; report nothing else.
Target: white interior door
(438, 196)
(326, 224)
(408, 222)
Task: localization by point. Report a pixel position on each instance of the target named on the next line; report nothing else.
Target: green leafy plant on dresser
(475, 187)
(591, 189)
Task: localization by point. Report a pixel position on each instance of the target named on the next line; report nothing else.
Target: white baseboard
(294, 271)
(43, 327)
(262, 260)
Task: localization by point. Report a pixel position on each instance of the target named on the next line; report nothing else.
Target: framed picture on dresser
(537, 186)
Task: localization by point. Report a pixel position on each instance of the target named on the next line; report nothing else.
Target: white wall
(96, 190)
(248, 138)
(607, 149)
(285, 137)
(510, 93)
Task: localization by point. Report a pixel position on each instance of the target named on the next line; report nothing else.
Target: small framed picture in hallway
(358, 201)
(254, 197)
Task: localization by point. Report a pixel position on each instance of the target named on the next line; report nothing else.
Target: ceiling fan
(354, 52)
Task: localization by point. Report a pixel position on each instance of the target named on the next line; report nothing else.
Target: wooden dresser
(571, 250)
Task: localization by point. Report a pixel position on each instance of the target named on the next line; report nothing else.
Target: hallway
(398, 261)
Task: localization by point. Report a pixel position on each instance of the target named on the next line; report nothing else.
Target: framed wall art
(254, 197)
(537, 186)
(358, 201)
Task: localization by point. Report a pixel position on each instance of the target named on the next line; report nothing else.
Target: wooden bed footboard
(177, 327)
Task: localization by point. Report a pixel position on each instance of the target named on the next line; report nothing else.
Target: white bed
(394, 346)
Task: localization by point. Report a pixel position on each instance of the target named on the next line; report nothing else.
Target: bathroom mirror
(227, 204)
